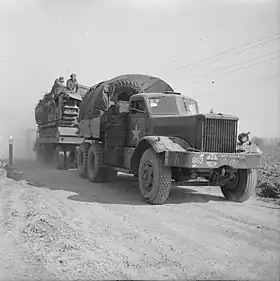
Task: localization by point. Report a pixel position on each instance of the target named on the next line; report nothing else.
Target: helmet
(73, 75)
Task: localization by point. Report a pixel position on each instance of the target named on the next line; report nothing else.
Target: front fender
(248, 147)
(159, 144)
(163, 143)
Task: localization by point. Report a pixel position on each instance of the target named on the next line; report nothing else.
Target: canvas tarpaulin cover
(98, 98)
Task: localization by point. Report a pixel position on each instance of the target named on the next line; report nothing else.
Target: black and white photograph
(140, 140)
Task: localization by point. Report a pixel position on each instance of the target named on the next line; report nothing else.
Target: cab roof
(156, 95)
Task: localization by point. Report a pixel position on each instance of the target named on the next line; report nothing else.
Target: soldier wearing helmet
(61, 80)
(58, 85)
(72, 83)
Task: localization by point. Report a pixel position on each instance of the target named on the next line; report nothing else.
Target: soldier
(58, 84)
(72, 83)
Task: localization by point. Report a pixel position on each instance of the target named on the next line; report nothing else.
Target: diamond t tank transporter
(137, 124)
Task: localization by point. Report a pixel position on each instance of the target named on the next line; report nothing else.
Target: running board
(118, 169)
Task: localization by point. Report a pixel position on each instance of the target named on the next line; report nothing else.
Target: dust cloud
(17, 123)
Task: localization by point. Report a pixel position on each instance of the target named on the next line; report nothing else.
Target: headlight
(243, 137)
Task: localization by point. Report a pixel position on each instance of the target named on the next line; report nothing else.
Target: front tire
(154, 178)
(242, 187)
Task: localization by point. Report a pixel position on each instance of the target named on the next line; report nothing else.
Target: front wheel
(242, 187)
(154, 178)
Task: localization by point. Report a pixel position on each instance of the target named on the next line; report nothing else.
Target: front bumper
(205, 160)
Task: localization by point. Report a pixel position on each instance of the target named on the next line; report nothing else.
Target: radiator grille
(219, 135)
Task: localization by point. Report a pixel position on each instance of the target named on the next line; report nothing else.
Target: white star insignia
(136, 133)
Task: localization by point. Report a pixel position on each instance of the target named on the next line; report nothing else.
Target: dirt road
(66, 228)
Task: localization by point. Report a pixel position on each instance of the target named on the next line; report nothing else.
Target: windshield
(190, 107)
(163, 105)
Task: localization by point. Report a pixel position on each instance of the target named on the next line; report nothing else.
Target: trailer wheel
(68, 160)
(41, 154)
(96, 173)
(49, 154)
(60, 158)
(242, 187)
(154, 178)
(82, 158)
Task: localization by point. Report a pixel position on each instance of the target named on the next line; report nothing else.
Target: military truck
(138, 124)
(56, 115)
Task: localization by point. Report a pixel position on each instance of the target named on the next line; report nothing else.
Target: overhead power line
(242, 68)
(238, 64)
(259, 41)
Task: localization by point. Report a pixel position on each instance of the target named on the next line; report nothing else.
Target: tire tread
(245, 186)
(164, 185)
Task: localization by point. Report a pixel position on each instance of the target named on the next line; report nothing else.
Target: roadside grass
(268, 185)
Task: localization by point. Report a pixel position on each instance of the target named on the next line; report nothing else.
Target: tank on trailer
(56, 116)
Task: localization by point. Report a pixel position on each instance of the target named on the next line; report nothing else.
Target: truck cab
(149, 111)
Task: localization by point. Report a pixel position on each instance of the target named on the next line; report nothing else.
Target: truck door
(137, 122)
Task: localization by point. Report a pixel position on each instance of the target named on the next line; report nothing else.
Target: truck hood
(198, 129)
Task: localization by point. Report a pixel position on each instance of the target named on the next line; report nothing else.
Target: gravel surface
(55, 225)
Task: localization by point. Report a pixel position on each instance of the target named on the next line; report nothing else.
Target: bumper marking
(212, 160)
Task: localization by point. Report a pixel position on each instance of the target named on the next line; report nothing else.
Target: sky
(223, 53)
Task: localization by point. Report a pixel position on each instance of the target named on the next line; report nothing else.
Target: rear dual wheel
(45, 153)
(39, 153)
(96, 172)
(82, 158)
